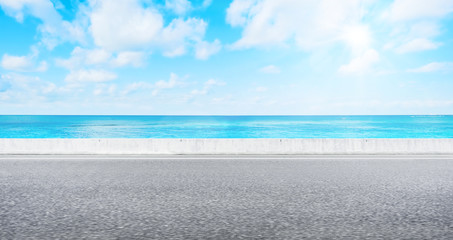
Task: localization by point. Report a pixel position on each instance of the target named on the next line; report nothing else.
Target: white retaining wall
(226, 146)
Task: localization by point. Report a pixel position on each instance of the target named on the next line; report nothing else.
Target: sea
(90, 126)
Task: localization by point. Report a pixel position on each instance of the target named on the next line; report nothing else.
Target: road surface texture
(226, 197)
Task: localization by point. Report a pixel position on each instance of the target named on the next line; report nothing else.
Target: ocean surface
(48, 126)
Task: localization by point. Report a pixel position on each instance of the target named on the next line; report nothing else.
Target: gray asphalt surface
(226, 197)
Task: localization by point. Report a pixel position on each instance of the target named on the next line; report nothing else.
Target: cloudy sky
(226, 57)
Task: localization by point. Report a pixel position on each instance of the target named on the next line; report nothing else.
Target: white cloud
(361, 64)
(96, 56)
(42, 66)
(97, 91)
(4, 83)
(271, 69)
(23, 63)
(179, 34)
(173, 82)
(179, 7)
(131, 27)
(136, 86)
(424, 29)
(105, 89)
(133, 58)
(416, 45)
(307, 23)
(237, 12)
(17, 88)
(213, 82)
(53, 28)
(178, 30)
(42, 9)
(414, 37)
(404, 10)
(207, 86)
(81, 58)
(90, 76)
(176, 51)
(198, 92)
(203, 50)
(416, 23)
(136, 27)
(206, 3)
(433, 67)
(16, 63)
(315, 25)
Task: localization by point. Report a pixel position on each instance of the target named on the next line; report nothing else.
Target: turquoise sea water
(226, 126)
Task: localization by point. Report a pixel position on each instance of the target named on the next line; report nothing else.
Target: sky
(219, 57)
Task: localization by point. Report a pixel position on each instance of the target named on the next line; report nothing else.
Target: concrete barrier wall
(226, 146)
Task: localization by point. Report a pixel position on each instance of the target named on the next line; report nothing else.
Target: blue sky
(226, 57)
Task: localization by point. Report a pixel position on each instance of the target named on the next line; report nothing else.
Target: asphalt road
(226, 197)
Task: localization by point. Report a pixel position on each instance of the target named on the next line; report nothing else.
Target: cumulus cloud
(105, 89)
(416, 23)
(310, 25)
(133, 58)
(179, 7)
(176, 51)
(415, 37)
(81, 57)
(206, 3)
(173, 82)
(237, 12)
(132, 27)
(18, 88)
(416, 45)
(271, 69)
(203, 49)
(424, 29)
(137, 25)
(23, 63)
(361, 64)
(307, 23)
(42, 9)
(180, 33)
(138, 28)
(433, 67)
(136, 86)
(95, 56)
(207, 86)
(54, 29)
(404, 10)
(4, 83)
(213, 82)
(90, 76)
